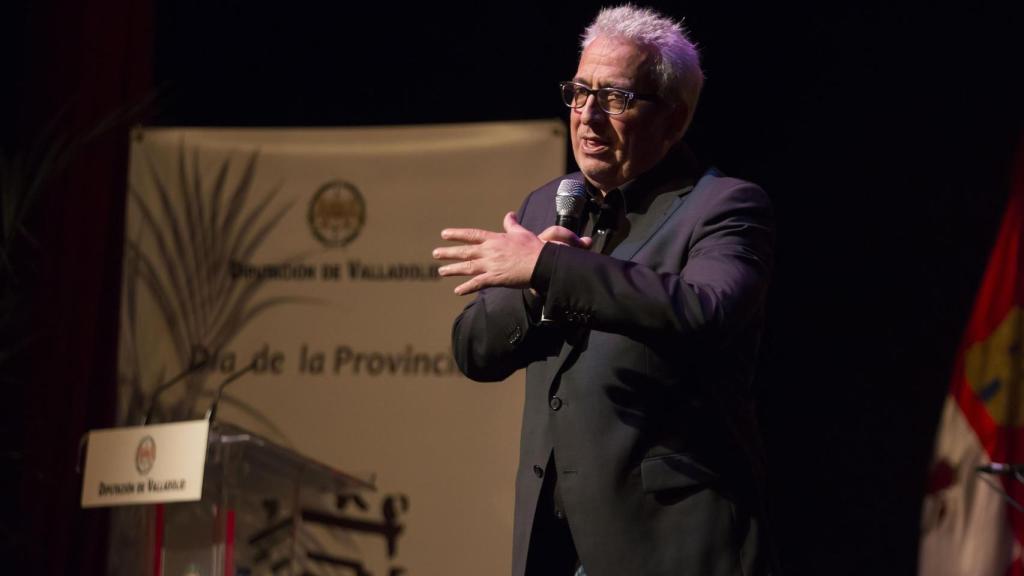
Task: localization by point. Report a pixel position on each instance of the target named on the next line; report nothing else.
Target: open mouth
(593, 145)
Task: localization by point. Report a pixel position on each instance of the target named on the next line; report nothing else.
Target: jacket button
(538, 471)
(555, 403)
(515, 334)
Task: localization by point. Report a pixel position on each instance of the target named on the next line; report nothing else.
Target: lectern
(264, 510)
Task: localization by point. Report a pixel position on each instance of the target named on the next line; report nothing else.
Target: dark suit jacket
(641, 386)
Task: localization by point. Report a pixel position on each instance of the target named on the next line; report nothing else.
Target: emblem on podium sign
(145, 455)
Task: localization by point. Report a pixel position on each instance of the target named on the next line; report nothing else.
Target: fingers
(466, 268)
(510, 222)
(467, 235)
(469, 286)
(560, 235)
(472, 239)
(464, 252)
(490, 258)
(472, 268)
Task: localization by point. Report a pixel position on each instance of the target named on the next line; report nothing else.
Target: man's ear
(678, 120)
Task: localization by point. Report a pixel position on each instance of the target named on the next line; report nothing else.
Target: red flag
(970, 525)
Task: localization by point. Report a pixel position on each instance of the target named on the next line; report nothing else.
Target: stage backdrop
(307, 251)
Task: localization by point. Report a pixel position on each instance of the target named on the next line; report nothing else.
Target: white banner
(307, 251)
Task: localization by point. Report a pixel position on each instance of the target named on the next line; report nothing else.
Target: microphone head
(571, 198)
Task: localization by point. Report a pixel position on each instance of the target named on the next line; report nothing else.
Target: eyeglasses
(612, 100)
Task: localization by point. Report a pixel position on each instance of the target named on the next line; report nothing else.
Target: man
(639, 453)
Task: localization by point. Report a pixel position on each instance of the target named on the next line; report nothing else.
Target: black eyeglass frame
(602, 96)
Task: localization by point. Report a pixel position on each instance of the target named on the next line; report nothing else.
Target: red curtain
(82, 62)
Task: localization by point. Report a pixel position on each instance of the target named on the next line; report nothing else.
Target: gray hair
(676, 67)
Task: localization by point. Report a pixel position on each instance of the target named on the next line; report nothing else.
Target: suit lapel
(662, 208)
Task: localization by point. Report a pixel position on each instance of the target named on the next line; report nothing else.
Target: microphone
(212, 412)
(570, 205)
(198, 363)
(1000, 468)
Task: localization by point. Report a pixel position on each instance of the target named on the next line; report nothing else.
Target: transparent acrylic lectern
(265, 510)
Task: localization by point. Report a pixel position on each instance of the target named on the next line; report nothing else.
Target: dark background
(884, 134)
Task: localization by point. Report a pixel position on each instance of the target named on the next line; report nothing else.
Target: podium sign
(145, 464)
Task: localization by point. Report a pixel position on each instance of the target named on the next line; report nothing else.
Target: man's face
(614, 149)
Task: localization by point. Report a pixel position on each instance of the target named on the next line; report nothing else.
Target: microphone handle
(570, 222)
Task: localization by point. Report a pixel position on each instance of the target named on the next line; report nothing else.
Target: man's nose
(591, 112)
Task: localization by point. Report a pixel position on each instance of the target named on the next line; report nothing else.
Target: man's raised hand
(498, 258)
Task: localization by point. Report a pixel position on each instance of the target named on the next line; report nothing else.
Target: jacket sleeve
(720, 285)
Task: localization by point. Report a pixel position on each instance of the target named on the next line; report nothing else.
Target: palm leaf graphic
(196, 234)
(190, 197)
(129, 390)
(232, 254)
(172, 291)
